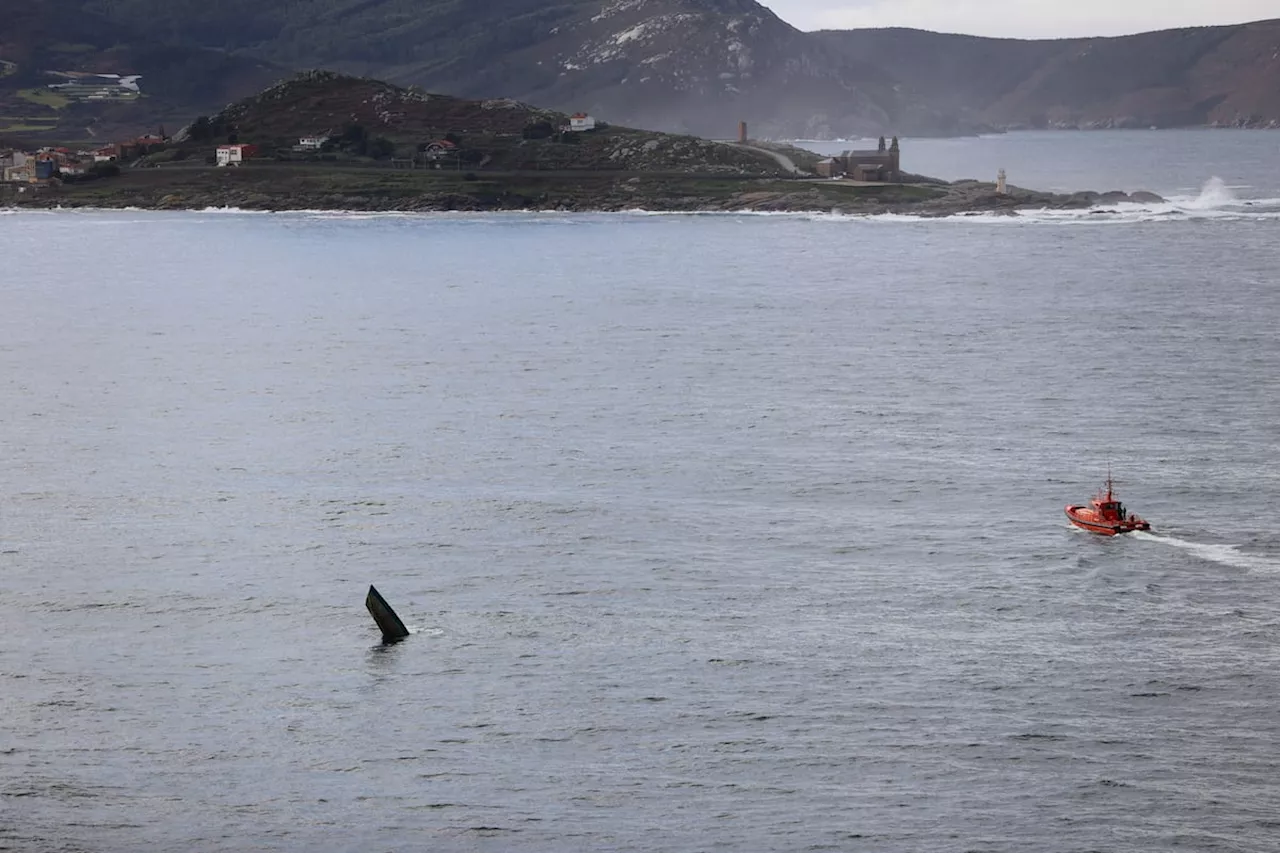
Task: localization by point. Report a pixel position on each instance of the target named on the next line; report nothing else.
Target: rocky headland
(325, 141)
(282, 188)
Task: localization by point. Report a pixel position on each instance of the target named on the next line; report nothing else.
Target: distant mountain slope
(1174, 78)
(686, 65)
(177, 79)
(702, 65)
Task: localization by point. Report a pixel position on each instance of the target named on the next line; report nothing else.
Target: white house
(234, 155)
(579, 122)
(312, 143)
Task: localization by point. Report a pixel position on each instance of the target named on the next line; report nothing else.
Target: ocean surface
(716, 533)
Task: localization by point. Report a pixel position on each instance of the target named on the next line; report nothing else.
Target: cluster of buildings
(44, 164)
(882, 165)
(81, 86)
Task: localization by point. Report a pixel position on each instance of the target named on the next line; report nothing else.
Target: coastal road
(783, 160)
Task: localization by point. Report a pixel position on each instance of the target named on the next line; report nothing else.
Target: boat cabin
(1111, 510)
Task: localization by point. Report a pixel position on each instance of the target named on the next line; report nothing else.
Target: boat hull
(1087, 519)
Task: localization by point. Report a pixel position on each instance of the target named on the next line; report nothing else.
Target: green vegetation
(45, 97)
(26, 125)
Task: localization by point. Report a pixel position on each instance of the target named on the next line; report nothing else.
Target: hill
(327, 141)
(369, 119)
(696, 66)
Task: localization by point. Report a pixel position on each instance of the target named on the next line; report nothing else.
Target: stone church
(881, 165)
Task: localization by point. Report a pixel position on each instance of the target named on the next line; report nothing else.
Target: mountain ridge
(694, 66)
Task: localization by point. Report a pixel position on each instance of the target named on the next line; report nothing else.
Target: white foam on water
(238, 211)
(1216, 201)
(1227, 555)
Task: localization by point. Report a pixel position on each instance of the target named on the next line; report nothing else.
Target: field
(19, 124)
(45, 97)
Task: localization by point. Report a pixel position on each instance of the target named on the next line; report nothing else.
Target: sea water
(714, 532)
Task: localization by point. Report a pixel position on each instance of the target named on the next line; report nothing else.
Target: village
(51, 163)
(47, 165)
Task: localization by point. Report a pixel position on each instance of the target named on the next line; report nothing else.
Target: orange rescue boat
(1105, 515)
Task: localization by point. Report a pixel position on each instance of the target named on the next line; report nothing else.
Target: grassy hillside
(370, 119)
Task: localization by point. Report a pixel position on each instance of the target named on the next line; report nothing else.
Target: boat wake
(1227, 555)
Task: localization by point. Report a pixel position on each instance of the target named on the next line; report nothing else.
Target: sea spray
(1214, 194)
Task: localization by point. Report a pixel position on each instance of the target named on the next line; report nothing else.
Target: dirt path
(783, 160)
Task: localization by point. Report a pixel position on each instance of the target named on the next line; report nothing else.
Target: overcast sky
(1022, 18)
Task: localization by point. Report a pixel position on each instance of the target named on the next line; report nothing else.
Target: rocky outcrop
(284, 188)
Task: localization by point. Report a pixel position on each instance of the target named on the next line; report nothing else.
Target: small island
(325, 141)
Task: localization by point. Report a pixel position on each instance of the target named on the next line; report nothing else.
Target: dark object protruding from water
(393, 630)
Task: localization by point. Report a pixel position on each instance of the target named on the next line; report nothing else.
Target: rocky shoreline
(282, 190)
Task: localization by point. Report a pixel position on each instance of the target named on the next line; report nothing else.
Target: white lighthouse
(1001, 186)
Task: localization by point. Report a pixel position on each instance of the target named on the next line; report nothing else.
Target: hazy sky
(1022, 18)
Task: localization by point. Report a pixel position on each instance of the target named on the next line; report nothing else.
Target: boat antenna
(1108, 480)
